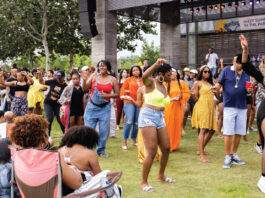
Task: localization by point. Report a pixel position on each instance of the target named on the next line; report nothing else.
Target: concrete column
(170, 33)
(104, 45)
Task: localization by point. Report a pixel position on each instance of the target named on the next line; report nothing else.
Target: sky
(148, 37)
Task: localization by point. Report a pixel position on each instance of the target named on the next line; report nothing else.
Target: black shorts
(260, 118)
(191, 101)
(221, 99)
(249, 100)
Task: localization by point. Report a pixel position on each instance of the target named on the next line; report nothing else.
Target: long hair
(178, 79)
(210, 79)
(137, 66)
(5, 155)
(120, 74)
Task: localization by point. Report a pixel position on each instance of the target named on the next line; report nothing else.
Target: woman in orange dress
(179, 94)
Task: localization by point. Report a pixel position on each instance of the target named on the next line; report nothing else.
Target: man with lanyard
(233, 80)
(51, 105)
(212, 60)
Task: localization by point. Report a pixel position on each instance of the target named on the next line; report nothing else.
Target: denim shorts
(234, 121)
(150, 117)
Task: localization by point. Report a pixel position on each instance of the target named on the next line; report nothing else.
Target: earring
(161, 79)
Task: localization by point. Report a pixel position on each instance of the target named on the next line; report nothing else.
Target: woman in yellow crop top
(151, 120)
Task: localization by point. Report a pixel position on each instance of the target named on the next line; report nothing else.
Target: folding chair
(37, 173)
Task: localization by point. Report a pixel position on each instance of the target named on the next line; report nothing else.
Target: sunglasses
(206, 72)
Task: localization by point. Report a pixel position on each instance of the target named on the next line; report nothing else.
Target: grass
(193, 178)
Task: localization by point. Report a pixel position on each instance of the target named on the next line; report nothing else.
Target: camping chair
(37, 173)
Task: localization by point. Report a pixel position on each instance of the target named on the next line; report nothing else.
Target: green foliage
(57, 62)
(131, 29)
(127, 62)
(150, 52)
(21, 31)
(194, 179)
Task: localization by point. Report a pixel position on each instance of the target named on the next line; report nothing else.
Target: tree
(33, 17)
(67, 38)
(131, 29)
(150, 52)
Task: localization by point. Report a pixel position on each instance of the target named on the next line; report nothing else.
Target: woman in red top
(129, 90)
(98, 108)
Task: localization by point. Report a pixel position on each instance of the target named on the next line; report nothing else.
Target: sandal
(148, 188)
(168, 180)
(125, 148)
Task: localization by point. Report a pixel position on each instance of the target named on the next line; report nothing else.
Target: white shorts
(234, 121)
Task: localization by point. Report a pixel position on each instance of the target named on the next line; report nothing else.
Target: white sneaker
(258, 148)
(261, 184)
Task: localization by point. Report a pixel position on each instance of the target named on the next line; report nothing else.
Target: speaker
(87, 9)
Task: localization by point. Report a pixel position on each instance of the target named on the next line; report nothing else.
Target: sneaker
(247, 132)
(261, 184)
(252, 128)
(105, 155)
(227, 162)
(236, 160)
(258, 148)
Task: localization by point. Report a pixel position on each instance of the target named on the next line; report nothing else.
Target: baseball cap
(194, 71)
(84, 68)
(60, 74)
(186, 69)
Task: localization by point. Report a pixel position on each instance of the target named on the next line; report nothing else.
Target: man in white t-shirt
(212, 60)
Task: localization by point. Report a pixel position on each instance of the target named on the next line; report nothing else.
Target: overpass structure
(182, 21)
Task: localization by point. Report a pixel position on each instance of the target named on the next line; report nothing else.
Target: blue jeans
(213, 70)
(131, 114)
(93, 115)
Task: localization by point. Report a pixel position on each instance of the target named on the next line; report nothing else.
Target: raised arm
(88, 82)
(2, 82)
(148, 73)
(40, 77)
(247, 66)
(30, 81)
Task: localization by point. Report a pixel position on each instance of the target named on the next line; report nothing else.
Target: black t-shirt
(12, 89)
(55, 91)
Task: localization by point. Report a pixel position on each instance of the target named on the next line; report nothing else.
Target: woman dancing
(19, 105)
(151, 121)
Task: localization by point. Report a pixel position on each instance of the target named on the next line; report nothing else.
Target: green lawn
(193, 178)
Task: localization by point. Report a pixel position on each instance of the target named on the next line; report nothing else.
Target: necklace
(238, 77)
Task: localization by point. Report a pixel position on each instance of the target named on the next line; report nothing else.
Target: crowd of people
(154, 101)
